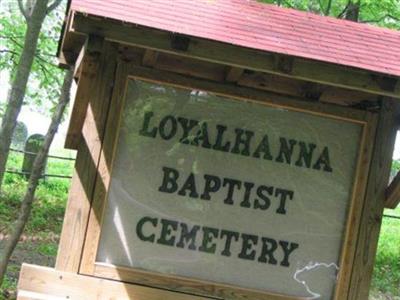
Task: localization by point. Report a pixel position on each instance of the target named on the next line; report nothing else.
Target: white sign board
(229, 191)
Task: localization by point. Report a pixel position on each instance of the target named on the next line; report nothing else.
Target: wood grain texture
(248, 94)
(246, 58)
(187, 285)
(355, 209)
(233, 74)
(149, 58)
(371, 219)
(89, 71)
(41, 283)
(85, 173)
(104, 171)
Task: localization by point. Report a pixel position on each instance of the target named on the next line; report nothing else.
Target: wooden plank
(149, 58)
(86, 85)
(104, 171)
(233, 74)
(187, 285)
(268, 82)
(69, 46)
(45, 283)
(248, 94)
(79, 64)
(393, 193)
(240, 57)
(371, 219)
(288, 86)
(190, 67)
(306, 90)
(355, 209)
(81, 191)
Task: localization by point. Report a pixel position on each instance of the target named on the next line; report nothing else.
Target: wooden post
(97, 90)
(375, 201)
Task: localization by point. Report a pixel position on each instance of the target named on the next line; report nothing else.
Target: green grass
(386, 277)
(46, 219)
(51, 196)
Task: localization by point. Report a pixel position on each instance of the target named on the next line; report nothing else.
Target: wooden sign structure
(208, 168)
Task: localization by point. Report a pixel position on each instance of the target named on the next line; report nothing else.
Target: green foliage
(386, 277)
(384, 13)
(395, 166)
(51, 195)
(45, 78)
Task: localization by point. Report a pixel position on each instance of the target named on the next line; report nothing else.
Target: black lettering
(284, 194)
(219, 140)
(240, 140)
(229, 235)
(232, 183)
(285, 150)
(188, 236)
(263, 147)
(187, 126)
(166, 237)
(287, 248)
(249, 241)
(202, 135)
(323, 160)
(139, 229)
(169, 184)
(247, 192)
(208, 235)
(267, 253)
(189, 185)
(164, 127)
(212, 185)
(146, 122)
(261, 190)
(305, 154)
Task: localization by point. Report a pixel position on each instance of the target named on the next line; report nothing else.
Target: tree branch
(387, 16)
(341, 15)
(9, 51)
(23, 11)
(53, 6)
(328, 8)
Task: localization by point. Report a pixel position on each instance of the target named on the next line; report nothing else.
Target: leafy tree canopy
(385, 13)
(45, 78)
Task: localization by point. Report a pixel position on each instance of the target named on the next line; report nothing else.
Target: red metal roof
(260, 26)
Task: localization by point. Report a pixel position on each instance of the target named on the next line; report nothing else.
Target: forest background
(41, 104)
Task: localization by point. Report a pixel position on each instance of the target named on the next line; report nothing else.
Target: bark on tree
(26, 205)
(353, 11)
(34, 18)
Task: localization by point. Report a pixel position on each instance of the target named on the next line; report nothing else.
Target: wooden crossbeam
(217, 52)
(393, 193)
(149, 58)
(41, 283)
(234, 74)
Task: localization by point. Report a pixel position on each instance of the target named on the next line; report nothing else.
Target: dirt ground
(30, 250)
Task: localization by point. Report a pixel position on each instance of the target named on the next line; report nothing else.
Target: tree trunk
(26, 205)
(17, 92)
(353, 12)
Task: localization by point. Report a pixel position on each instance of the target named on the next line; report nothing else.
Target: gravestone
(20, 136)
(32, 146)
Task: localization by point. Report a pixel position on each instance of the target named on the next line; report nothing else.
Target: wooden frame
(90, 267)
(240, 57)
